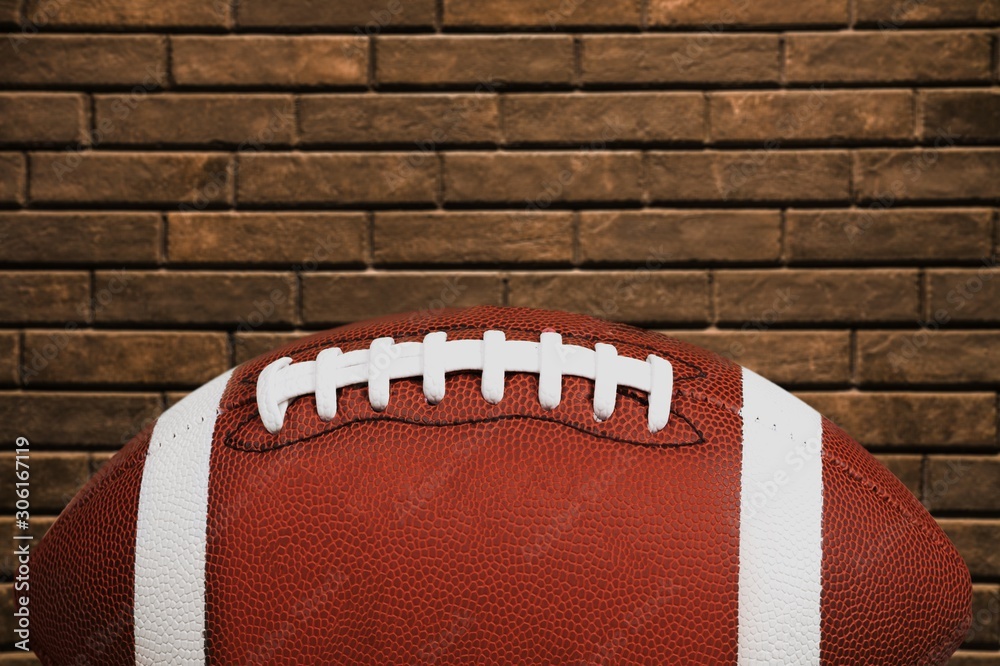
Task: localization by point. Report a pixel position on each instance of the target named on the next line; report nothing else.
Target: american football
(495, 485)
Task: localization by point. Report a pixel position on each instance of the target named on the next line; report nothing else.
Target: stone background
(809, 188)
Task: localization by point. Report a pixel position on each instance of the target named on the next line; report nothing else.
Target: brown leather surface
(83, 570)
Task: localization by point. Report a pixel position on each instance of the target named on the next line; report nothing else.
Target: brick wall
(808, 188)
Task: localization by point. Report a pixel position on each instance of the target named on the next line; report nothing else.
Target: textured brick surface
(657, 238)
(482, 61)
(434, 119)
(40, 118)
(828, 296)
(809, 189)
(55, 478)
(487, 238)
(266, 60)
(304, 240)
(876, 235)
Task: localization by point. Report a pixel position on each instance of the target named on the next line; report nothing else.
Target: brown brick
(338, 178)
(897, 57)
(10, 11)
(371, 16)
(907, 420)
(671, 236)
(985, 629)
(270, 60)
(80, 238)
(893, 14)
(12, 175)
(908, 469)
(971, 295)
(878, 235)
(345, 297)
(812, 116)
(44, 297)
(723, 15)
(473, 238)
(138, 178)
(246, 300)
(9, 357)
(761, 175)
(128, 14)
(484, 61)
(77, 419)
(248, 346)
(680, 59)
(55, 479)
(786, 357)
(974, 115)
(927, 174)
(929, 356)
(763, 298)
(966, 658)
(83, 60)
(640, 295)
(542, 178)
(304, 239)
(542, 13)
(963, 483)
(429, 120)
(977, 541)
(19, 659)
(597, 119)
(130, 358)
(246, 121)
(8, 562)
(36, 118)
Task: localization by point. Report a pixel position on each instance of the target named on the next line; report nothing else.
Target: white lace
(494, 355)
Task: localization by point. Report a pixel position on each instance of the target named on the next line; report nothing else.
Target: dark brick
(129, 358)
(55, 479)
(680, 59)
(244, 300)
(39, 118)
(302, 239)
(12, 175)
(54, 297)
(248, 346)
(542, 13)
(908, 469)
(973, 115)
(963, 483)
(428, 120)
(670, 236)
(542, 178)
(985, 629)
(116, 14)
(640, 295)
(10, 353)
(971, 295)
(893, 57)
(246, 121)
(371, 16)
(346, 297)
(80, 238)
(596, 119)
(927, 174)
(137, 178)
(473, 238)
(83, 60)
(812, 116)
(912, 420)
(895, 14)
(786, 357)
(763, 298)
(338, 178)
(727, 14)
(976, 540)
(10, 11)
(270, 60)
(483, 61)
(762, 175)
(878, 235)
(77, 419)
(929, 356)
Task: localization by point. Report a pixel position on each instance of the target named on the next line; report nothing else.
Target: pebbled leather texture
(464, 532)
